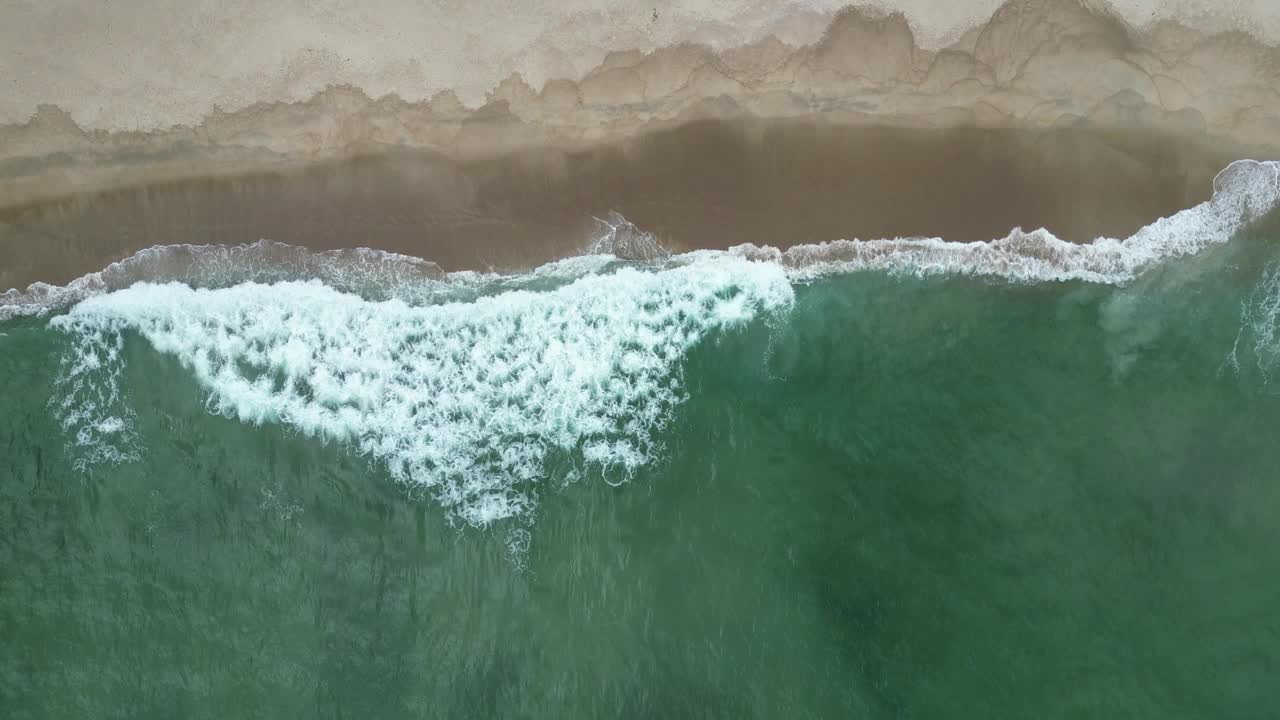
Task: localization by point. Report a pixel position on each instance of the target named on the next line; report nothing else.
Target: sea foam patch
(90, 406)
(368, 272)
(1259, 336)
(466, 400)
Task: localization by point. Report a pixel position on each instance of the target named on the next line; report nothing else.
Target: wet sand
(707, 184)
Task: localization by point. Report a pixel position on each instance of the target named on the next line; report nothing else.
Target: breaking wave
(471, 386)
(468, 400)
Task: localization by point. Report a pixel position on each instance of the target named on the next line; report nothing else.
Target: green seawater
(944, 497)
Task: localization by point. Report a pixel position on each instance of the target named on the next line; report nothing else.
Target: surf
(469, 386)
(1242, 192)
(466, 401)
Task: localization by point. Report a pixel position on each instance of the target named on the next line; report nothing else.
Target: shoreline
(708, 184)
(1050, 113)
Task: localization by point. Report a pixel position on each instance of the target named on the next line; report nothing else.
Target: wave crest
(467, 401)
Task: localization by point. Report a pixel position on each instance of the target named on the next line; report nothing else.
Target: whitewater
(469, 387)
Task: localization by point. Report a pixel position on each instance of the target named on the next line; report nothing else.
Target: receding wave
(357, 270)
(1243, 191)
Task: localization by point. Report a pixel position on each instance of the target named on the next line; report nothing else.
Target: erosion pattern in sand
(162, 92)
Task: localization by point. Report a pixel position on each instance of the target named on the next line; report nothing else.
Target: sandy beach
(804, 127)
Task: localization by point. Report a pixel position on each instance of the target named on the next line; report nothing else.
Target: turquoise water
(734, 493)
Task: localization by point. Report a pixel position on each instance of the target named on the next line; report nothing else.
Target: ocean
(899, 478)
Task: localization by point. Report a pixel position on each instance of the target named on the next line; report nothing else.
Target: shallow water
(856, 494)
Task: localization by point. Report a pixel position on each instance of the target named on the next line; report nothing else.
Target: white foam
(1259, 333)
(467, 384)
(375, 274)
(360, 270)
(1243, 191)
(468, 401)
(90, 407)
